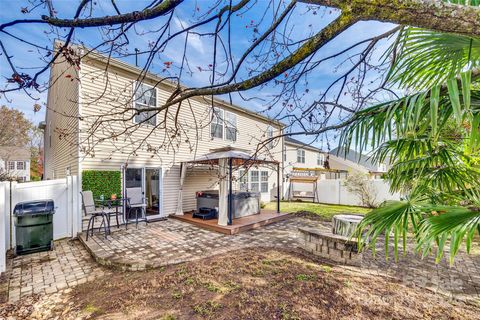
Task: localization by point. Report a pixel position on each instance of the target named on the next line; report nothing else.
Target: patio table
(113, 203)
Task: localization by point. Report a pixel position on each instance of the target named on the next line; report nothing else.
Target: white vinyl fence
(334, 191)
(64, 193)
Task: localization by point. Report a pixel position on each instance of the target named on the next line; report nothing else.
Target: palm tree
(433, 139)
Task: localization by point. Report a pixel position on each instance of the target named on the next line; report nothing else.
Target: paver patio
(67, 265)
(171, 241)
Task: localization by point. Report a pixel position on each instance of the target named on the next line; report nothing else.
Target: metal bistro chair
(137, 202)
(89, 209)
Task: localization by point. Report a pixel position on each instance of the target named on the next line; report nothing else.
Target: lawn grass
(323, 211)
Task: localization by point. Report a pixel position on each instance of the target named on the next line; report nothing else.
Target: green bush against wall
(102, 182)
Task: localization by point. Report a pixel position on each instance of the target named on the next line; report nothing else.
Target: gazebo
(226, 159)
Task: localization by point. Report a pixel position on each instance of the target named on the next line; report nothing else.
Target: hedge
(102, 182)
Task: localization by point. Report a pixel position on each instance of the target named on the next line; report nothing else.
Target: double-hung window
(270, 136)
(263, 181)
(300, 156)
(216, 127)
(254, 181)
(243, 179)
(20, 165)
(11, 165)
(145, 99)
(320, 159)
(230, 126)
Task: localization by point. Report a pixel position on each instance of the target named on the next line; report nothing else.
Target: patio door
(152, 185)
(150, 179)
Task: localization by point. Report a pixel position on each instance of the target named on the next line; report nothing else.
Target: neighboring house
(83, 91)
(298, 154)
(15, 162)
(353, 161)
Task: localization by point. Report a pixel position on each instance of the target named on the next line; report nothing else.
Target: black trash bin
(33, 226)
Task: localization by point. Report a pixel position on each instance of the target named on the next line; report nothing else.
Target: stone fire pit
(345, 224)
(336, 245)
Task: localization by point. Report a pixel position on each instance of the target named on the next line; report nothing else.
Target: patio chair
(89, 209)
(136, 202)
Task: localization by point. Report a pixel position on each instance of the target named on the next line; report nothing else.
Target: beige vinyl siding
(61, 121)
(112, 92)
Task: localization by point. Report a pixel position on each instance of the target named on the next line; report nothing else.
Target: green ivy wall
(102, 182)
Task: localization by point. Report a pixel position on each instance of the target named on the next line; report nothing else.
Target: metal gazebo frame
(235, 157)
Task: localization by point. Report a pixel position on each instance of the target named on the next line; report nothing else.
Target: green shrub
(102, 182)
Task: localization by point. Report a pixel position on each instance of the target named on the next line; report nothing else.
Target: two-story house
(15, 163)
(298, 154)
(147, 147)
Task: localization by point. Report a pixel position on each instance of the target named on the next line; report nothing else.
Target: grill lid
(34, 207)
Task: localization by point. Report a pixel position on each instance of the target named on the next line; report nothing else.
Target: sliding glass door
(153, 190)
(150, 181)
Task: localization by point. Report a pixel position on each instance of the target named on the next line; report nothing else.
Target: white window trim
(320, 159)
(248, 180)
(302, 155)
(23, 165)
(270, 135)
(224, 124)
(134, 102)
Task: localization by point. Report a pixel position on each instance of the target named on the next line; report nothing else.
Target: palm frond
(392, 217)
(448, 224)
(427, 58)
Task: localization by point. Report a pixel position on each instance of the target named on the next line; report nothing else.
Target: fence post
(10, 205)
(76, 219)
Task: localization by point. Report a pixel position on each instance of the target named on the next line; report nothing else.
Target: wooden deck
(239, 225)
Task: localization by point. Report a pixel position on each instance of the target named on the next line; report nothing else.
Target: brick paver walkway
(172, 241)
(67, 265)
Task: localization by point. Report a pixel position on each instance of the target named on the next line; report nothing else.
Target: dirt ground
(248, 284)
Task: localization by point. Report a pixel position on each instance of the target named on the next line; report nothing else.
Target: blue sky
(303, 22)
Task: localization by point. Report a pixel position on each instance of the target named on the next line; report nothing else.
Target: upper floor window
(145, 99)
(320, 159)
(224, 125)
(20, 165)
(216, 128)
(270, 136)
(230, 126)
(300, 155)
(382, 167)
(11, 165)
(284, 153)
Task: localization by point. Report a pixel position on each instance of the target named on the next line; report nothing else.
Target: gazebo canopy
(226, 158)
(239, 157)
